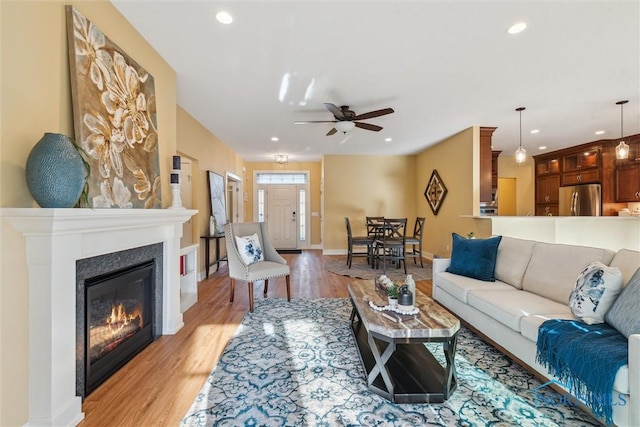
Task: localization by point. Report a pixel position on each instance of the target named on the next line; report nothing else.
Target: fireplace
(119, 320)
(118, 311)
(56, 244)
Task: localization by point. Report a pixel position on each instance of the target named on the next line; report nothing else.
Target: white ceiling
(441, 65)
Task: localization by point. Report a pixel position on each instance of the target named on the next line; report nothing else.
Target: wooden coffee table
(397, 364)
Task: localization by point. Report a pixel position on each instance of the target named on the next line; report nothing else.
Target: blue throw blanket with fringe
(585, 358)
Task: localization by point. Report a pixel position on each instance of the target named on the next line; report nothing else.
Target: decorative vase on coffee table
(55, 172)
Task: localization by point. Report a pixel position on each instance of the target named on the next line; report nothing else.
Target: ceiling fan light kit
(345, 126)
(521, 153)
(622, 149)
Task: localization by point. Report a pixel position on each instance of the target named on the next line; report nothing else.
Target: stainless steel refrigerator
(580, 200)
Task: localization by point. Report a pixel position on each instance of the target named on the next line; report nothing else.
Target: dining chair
(252, 257)
(416, 240)
(373, 222)
(356, 241)
(389, 245)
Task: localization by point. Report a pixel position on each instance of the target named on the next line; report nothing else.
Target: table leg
(451, 377)
(217, 254)
(380, 367)
(206, 254)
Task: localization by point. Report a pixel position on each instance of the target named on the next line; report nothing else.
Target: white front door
(282, 221)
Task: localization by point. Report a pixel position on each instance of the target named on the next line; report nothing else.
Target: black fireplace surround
(127, 284)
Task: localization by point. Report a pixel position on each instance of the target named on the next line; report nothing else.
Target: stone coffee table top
(433, 321)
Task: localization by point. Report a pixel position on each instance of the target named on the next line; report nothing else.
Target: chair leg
(250, 296)
(266, 287)
(288, 287)
(233, 288)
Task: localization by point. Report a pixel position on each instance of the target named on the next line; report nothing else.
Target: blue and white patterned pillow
(595, 292)
(249, 248)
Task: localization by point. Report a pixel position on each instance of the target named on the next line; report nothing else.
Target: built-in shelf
(188, 277)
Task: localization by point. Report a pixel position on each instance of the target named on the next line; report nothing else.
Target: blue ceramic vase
(55, 172)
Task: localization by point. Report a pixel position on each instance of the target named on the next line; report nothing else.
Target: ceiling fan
(345, 119)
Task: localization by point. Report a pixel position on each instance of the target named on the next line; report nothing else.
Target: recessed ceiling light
(388, 139)
(542, 147)
(517, 28)
(224, 17)
(275, 139)
(599, 132)
(535, 131)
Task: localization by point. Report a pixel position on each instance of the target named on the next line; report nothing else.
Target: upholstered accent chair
(258, 260)
(357, 241)
(415, 241)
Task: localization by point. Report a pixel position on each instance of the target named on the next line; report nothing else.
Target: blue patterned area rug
(296, 364)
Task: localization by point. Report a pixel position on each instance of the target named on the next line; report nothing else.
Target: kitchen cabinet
(547, 189)
(549, 210)
(486, 187)
(581, 159)
(581, 177)
(547, 185)
(494, 169)
(547, 166)
(628, 182)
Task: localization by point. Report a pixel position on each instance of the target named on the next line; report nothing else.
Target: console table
(218, 259)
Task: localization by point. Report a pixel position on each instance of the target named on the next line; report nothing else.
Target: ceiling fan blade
(315, 121)
(368, 126)
(337, 112)
(332, 131)
(372, 114)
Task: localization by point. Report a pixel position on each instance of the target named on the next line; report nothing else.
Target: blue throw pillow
(474, 258)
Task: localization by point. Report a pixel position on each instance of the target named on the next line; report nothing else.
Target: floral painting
(114, 112)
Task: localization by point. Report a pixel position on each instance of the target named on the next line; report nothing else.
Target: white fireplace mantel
(55, 240)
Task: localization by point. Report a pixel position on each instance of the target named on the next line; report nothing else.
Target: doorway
(281, 200)
(234, 198)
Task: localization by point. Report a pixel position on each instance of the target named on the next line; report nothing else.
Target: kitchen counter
(611, 232)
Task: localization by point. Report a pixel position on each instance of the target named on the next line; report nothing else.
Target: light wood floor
(158, 386)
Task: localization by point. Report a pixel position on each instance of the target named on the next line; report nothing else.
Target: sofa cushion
(553, 268)
(624, 314)
(459, 286)
(529, 324)
(595, 291)
(628, 262)
(474, 258)
(508, 307)
(512, 261)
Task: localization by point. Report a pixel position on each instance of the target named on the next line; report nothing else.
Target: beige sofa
(533, 283)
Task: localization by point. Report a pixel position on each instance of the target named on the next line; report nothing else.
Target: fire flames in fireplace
(117, 327)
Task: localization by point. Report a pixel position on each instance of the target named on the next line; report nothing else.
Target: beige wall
(360, 186)
(454, 161)
(207, 153)
(314, 169)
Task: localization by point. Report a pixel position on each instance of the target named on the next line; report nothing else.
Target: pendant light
(521, 153)
(622, 149)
